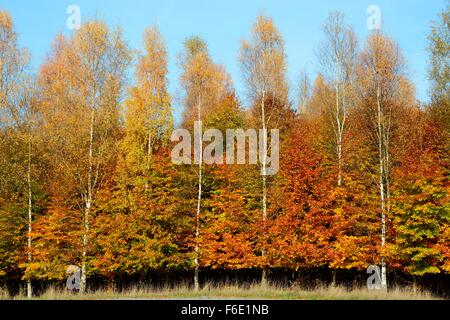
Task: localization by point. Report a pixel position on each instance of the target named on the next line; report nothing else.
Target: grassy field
(236, 292)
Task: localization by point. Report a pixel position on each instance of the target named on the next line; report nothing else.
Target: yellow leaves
(265, 29)
(263, 62)
(148, 117)
(6, 22)
(382, 60)
(339, 211)
(205, 83)
(432, 190)
(43, 270)
(92, 40)
(350, 252)
(152, 70)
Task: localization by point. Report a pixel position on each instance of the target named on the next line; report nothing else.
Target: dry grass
(210, 291)
(4, 294)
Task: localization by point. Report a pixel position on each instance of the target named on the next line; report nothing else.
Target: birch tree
(304, 92)
(205, 84)
(439, 69)
(102, 59)
(380, 76)
(337, 56)
(16, 96)
(148, 119)
(82, 84)
(263, 66)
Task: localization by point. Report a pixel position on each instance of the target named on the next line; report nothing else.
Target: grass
(210, 291)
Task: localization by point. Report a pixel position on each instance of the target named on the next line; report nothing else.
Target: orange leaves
(226, 245)
(300, 231)
(316, 223)
(56, 243)
(229, 234)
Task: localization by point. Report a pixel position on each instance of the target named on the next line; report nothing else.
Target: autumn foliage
(103, 193)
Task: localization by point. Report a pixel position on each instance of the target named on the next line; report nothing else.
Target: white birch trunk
(88, 205)
(149, 156)
(338, 135)
(382, 159)
(264, 199)
(29, 287)
(199, 198)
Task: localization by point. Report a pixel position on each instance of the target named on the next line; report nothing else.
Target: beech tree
(419, 211)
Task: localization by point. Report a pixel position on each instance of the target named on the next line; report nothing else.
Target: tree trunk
(264, 198)
(338, 135)
(386, 172)
(111, 284)
(29, 287)
(199, 198)
(381, 155)
(88, 205)
(415, 287)
(149, 157)
(339, 152)
(333, 278)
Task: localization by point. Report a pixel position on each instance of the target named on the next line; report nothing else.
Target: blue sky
(224, 23)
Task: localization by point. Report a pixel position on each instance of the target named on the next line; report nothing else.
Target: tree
(228, 239)
(439, 73)
(337, 56)
(205, 84)
(16, 111)
(263, 66)
(420, 212)
(87, 179)
(420, 215)
(137, 231)
(81, 87)
(304, 92)
(298, 235)
(136, 213)
(149, 117)
(439, 49)
(57, 242)
(383, 88)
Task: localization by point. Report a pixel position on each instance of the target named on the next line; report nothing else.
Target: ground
(235, 292)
